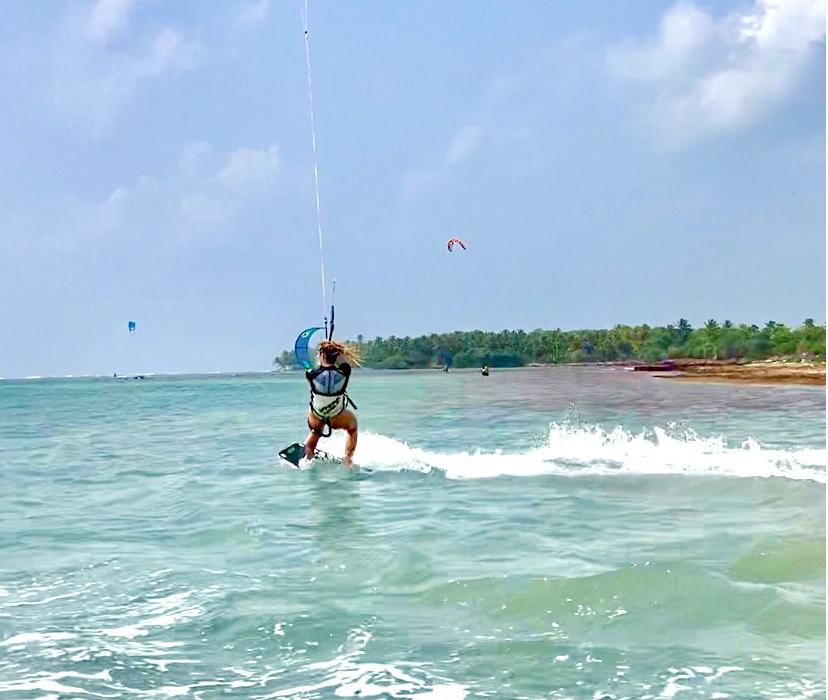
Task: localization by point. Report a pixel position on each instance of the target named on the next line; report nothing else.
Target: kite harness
(327, 394)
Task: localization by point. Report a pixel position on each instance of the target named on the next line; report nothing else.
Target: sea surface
(540, 533)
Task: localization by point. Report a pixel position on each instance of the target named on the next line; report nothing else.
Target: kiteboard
(296, 452)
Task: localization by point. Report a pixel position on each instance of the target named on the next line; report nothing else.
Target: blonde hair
(350, 352)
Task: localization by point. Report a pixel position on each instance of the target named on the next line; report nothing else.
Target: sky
(604, 162)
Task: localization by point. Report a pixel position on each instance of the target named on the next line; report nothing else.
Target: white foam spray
(591, 450)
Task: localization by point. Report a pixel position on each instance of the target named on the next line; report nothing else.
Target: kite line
(315, 171)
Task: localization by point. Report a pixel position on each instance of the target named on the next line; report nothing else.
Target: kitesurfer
(328, 401)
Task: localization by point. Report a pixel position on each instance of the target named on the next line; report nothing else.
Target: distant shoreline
(771, 371)
(644, 347)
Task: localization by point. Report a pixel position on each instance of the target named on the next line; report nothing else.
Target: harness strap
(321, 433)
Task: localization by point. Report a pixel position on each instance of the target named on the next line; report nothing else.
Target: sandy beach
(771, 371)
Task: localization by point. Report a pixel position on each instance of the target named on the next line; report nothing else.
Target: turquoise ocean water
(541, 533)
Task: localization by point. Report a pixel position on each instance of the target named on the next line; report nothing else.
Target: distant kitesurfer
(484, 370)
(328, 401)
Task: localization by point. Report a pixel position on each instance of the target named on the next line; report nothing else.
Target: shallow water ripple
(656, 540)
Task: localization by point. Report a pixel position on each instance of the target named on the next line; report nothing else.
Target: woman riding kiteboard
(329, 404)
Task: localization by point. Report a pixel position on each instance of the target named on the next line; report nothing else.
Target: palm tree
(684, 329)
(729, 342)
(711, 334)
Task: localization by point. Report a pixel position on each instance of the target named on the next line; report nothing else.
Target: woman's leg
(316, 425)
(347, 421)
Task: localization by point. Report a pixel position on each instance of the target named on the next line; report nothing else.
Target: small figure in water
(484, 370)
(328, 400)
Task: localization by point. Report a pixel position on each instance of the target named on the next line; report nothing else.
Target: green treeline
(516, 348)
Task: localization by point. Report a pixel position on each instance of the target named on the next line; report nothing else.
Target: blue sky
(605, 163)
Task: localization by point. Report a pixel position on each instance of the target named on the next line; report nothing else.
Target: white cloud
(485, 128)
(254, 13)
(91, 80)
(464, 143)
(107, 18)
(703, 75)
(246, 175)
(786, 24)
(684, 33)
(207, 196)
(168, 50)
(250, 171)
